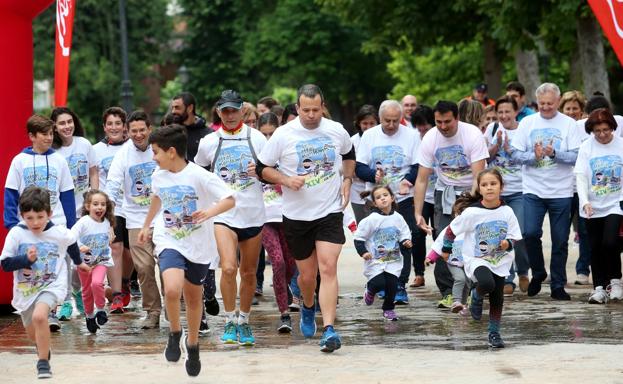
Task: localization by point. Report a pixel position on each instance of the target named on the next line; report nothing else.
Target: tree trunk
(591, 49)
(527, 64)
(575, 71)
(492, 69)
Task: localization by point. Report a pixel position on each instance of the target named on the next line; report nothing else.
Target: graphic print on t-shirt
(452, 162)
(42, 272)
(390, 160)
(140, 176)
(105, 165)
(99, 250)
(386, 246)
(316, 158)
(545, 137)
(487, 239)
(43, 177)
(456, 257)
(503, 161)
(79, 170)
(178, 204)
(271, 192)
(606, 174)
(231, 165)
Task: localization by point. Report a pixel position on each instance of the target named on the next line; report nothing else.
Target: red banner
(64, 28)
(609, 13)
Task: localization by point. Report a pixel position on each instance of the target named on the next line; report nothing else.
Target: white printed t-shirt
(48, 273)
(483, 230)
(358, 184)
(80, 157)
(383, 235)
(452, 157)
(456, 257)
(508, 168)
(104, 154)
(394, 155)
(231, 166)
(129, 182)
(315, 154)
(547, 178)
(182, 193)
(46, 171)
(96, 236)
(602, 166)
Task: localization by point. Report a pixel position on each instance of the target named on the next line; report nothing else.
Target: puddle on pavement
(525, 321)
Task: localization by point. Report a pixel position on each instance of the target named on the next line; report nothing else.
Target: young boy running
(186, 198)
(34, 251)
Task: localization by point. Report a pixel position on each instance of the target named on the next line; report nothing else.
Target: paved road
(542, 329)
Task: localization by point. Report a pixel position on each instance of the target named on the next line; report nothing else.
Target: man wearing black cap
(480, 94)
(231, 154)
(310, 151)
(183, 109)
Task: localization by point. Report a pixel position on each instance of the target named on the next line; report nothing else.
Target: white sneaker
(615, 289)
(598, 296)
(581, 280)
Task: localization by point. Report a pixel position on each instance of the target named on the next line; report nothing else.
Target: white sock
(243, 318)
(230, 316)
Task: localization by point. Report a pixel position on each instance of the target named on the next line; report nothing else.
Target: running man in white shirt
(310, 151)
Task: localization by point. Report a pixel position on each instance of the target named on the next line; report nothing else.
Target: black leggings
(384, 282)
(603, 235)
(489, 282)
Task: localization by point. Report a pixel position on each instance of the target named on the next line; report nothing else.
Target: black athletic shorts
(301, 236)
(121, 232)
(244, 233)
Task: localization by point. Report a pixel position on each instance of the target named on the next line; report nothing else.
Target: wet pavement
(525, 321)
(547, 342)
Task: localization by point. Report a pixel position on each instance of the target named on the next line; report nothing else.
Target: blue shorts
(193, 272)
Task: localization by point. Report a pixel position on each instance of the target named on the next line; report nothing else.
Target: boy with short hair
(186, 198)
(34, 250)
(41, 166)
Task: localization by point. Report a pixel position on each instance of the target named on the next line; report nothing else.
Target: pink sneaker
(456, 307)
(368, 297)
(390, 315)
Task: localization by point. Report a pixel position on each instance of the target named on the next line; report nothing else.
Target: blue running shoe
(65, 313)
(78, 299)
(476, 306)
(230, 336)
(330, 340)
(308, 321)
(381, 294)
(401, 297)
(245, 335)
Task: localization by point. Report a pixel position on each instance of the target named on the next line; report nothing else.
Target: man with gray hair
(386, 155)
(310, 151)
(547, 146)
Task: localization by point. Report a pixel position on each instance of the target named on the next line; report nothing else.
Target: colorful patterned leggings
(284, 266)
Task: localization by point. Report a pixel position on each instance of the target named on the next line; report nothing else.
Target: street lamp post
(126, 86)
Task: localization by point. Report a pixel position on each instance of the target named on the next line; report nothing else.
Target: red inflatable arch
(16, 70)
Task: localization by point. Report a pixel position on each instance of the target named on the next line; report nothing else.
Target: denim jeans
(559, 209)
(521, 263)
(443, 277)
(582, 266)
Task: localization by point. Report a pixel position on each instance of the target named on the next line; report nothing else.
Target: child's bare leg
(39, 330)
(193, 297)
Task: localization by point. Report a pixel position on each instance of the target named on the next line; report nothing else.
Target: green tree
(256, 47)
(95, 69)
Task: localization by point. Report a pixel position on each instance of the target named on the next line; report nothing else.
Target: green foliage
(95, 69)
(170, 89)
(443, 72)
(285, 95)
(257, 46)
